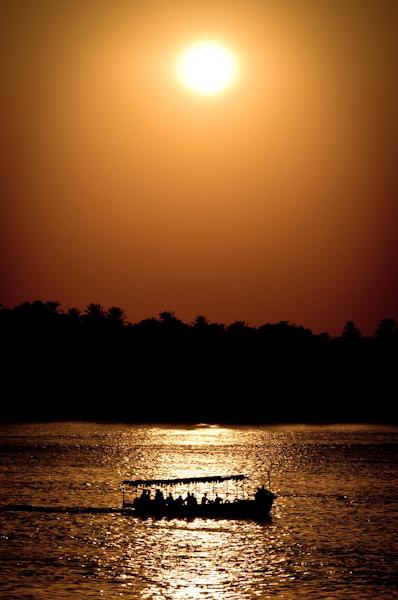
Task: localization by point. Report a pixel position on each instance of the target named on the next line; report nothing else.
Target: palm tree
(74, 314)
(200, 322)
(94, 311)
(116, 315)
(167, 317)
(53, 306)
(171, 326)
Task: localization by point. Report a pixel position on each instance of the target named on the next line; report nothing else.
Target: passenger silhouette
(170, 500)
(179, 501)
(159, 497)
(145, 498)
(191, 500)
(261, 494)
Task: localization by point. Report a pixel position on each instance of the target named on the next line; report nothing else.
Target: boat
(205, 497)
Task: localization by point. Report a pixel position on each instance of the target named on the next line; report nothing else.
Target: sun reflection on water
(199, 435)
(196, 561)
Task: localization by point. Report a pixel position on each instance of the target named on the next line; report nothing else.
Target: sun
(207, 68)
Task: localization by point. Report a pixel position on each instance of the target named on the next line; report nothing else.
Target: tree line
(95, 364)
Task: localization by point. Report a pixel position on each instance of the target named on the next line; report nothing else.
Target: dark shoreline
(195, 425)
(95, 365)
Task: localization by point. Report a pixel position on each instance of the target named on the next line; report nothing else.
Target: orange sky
(276, 200)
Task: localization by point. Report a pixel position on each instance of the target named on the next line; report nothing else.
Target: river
(333, 532)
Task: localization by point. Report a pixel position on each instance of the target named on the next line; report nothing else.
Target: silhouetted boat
(146, 497)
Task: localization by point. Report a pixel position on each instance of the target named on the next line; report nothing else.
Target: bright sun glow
(207, 68)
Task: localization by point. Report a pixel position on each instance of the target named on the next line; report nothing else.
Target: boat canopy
(182, 480)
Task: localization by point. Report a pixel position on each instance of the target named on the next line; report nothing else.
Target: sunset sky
(274, 200)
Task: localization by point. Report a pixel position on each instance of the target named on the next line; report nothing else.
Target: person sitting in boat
(159, 497)
(217, 499)
(144, 499)
(170, 500)
(179, 501)
(261, 494)
(191, 500)
(204, 499)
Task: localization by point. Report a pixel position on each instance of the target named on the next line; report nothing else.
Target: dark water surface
(333, 533)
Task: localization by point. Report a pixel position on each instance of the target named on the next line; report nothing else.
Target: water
(332, 535)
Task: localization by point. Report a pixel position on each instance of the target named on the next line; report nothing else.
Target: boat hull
(239, 509)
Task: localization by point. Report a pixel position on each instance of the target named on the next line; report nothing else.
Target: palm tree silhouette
(116, 315)
(200, 322)
(94, 311)
(53, 306)
(168, 316)
(74, 313)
